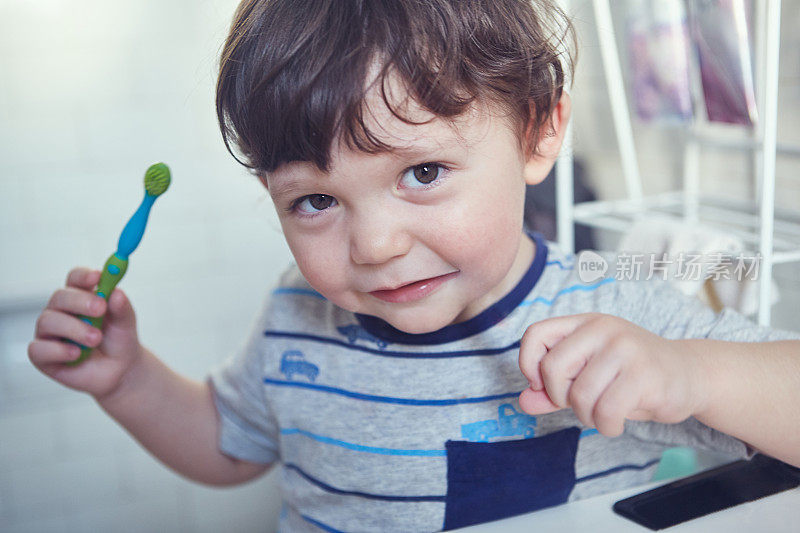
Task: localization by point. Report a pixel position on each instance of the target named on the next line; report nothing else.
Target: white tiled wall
(91, 93)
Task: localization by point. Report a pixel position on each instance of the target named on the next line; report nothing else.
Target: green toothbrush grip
(112, 273)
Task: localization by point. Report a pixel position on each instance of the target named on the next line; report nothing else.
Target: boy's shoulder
(294, 305)
(624, 274)
(292, 290)
(292, 281)
(638, 288)
(607, 281)
(578, 277)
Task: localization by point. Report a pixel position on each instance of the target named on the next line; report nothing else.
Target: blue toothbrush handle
(131, 235)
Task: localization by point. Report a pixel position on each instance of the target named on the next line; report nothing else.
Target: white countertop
(777, 513)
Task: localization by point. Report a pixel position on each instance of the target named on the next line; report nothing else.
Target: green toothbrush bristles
(156, 179)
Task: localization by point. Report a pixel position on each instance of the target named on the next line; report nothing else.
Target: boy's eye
(425, 174)
(313, 203)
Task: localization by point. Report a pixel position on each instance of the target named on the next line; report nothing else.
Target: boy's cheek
(320, 268)
(481, 228)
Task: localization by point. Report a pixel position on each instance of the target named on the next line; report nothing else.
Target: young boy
(426, 364)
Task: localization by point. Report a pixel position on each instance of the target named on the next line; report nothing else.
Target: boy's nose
(378, 239)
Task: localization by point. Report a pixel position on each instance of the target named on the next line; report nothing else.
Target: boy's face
(423, 236)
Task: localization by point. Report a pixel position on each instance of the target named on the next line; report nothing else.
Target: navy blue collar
(481, 322)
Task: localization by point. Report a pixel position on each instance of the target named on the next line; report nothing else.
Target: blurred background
(93, 92)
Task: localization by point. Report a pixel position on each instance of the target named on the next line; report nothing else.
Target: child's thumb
(120, 313)
(536, 402)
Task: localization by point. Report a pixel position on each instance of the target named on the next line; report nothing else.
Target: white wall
(92, 93)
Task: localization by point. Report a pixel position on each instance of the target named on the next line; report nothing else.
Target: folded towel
(721, 273)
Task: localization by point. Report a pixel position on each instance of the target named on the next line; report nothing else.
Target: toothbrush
(156, 181)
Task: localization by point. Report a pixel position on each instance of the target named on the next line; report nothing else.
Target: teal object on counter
(676, 462)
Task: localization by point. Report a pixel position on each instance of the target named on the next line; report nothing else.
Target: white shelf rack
(619, 215)
(774, 234)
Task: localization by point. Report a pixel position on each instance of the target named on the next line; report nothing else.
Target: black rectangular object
(708, 492)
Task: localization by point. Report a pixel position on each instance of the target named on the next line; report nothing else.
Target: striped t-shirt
(375, 429)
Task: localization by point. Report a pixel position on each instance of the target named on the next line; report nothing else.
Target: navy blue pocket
(493, 480)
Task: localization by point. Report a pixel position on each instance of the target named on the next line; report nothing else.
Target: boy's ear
(541, 160)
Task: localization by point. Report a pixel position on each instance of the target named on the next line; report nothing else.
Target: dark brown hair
(293, 73)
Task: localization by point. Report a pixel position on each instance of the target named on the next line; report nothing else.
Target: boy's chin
(415, 321)
(418, 324)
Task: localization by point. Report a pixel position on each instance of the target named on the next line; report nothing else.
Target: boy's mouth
(413, 291)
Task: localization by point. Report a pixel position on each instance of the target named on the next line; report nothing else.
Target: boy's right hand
(116, 348)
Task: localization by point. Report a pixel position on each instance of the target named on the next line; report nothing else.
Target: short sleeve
(663, 309)
(248, 429)
(666, 311)
(733, 326)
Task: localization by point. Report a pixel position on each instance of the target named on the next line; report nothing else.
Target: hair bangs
(297, 77)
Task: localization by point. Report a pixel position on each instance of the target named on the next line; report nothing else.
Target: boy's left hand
(607, 369)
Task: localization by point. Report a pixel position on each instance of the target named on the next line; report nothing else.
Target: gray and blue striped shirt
(379, 430)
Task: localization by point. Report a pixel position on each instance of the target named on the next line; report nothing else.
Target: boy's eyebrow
(285, 187)
(412, 148)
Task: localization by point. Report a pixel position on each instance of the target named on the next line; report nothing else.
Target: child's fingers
(92, 378)
(45, 352)
(536, 402)
(592, 381)
(55, 325)
(83, 278)
(618, 401)
(566, 360)
(541, 337)
(96, 376)
(77, 301)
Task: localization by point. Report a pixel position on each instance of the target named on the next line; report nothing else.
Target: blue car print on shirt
(354, 332)
(509, 423)
(294, 362)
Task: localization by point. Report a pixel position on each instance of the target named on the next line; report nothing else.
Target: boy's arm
(607, 370)
(752, 392)
(175, 419)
